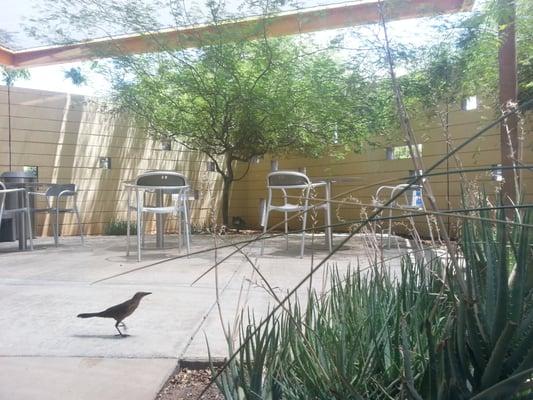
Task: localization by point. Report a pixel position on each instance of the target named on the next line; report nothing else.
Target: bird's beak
(147, 293)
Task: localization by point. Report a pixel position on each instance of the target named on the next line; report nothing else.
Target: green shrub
(118, 228)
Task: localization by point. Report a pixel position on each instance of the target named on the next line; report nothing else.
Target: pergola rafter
(281, 24)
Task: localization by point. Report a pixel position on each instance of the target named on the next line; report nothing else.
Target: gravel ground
(188, 384)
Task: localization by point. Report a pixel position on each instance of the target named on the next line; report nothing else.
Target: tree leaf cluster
(464, 62)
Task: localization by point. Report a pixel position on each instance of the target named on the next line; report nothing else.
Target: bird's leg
(116, 326)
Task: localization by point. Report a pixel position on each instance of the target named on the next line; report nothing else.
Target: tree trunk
(226, 190)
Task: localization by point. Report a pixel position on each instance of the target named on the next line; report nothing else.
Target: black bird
(120, 311)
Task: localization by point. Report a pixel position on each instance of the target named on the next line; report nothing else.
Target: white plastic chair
(23, 211)
(302, 188)
(160, 183)
(411, 199)
(57, 196)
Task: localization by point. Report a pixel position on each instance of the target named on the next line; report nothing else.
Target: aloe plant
(421, 335)
(245, 377)
(488, 353)
(342, 345)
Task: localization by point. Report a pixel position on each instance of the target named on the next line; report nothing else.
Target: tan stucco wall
(65, 135)
(372, 168)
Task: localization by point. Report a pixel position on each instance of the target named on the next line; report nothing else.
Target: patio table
(330, 180)
(19, 193)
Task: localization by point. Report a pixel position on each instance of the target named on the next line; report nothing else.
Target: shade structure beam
(280, 24)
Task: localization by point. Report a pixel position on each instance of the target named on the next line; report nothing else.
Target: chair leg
(162, 224)
(30, 232)
(52, 219)
(390, 224)
(80, 227)
(56, 232)
(267, 212)
(143, 235)
(28, 218)
(327, 210)
(186, 226)
(304, 226)
(286, 231)
(128, 228)
(139, 229)
(187, 235)
(179, 227)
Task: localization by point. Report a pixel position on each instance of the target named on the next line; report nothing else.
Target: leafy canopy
(244, 99)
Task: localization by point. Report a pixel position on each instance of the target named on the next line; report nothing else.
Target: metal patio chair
(302, 188)
(22, 210)
(57, 196)
(411, 199)
(162, 184)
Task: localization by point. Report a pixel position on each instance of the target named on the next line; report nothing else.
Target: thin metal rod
(509, 143)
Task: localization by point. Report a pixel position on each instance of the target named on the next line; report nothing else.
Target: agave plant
(251, 375)
(488, 353)
(342, 345)
(376, 336)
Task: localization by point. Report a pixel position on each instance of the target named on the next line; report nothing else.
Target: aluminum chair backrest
(287, 179)
(5, 199)
(161, 178)
(2, 199)
(56, 189)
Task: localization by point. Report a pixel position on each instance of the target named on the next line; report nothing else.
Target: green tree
(238, 96)
(465, 61)
(241, 100)
(75, 75)
(9, 76)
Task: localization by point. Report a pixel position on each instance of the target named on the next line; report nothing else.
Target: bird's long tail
(89, 315)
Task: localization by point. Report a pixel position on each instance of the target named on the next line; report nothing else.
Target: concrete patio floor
(48, 353)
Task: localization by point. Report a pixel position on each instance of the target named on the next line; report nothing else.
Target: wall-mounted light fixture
(104, 162)
(166, 144)
(274, 165)
(413, 173)
(211, 166)
(469, 103)
(496, 173)
(256, 159)
(32, 170)
(400, 152)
